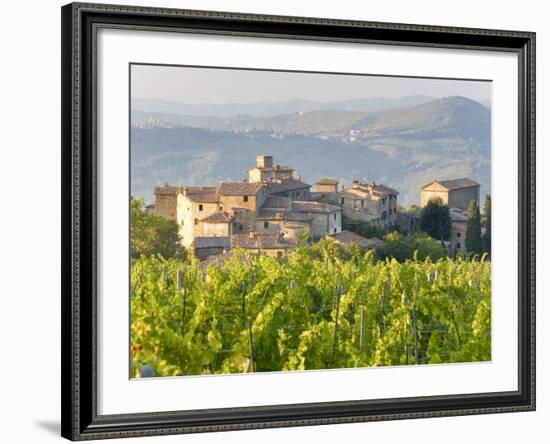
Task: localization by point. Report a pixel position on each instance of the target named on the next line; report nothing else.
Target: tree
(402, 247)
(150, 233)
(486, 223)
(473, 229)
(435, 219)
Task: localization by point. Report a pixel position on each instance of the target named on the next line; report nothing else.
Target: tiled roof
(287, 185)
(217, 218)
(382, 189)
(196, 194)
(212, 242)
(269, 214)
(260, 240)
(273, 168)
(326, 181)
(168, 189)
(239, 188)
(454, 184)
(349, 237)
(277, 202)
(202, 194)
(313, 207)
(371, 188)
(459, 226)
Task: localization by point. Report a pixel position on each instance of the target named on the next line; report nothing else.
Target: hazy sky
(211, 85)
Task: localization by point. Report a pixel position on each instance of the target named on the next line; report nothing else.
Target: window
(334, 216)
(200, 207)
(341, 201)
(458, 245)
(335, 230)
(458, 234)
(221, 208)
(182, 221)
(266, 224)
(196, 221)
(245, 198)
(279, 254)
(362, 203)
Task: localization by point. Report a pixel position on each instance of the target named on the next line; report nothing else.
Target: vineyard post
(362, 331)
(243, 290)
(414, 324)
(381, 320)
(335, 337)
(183, 309)
(251, 345)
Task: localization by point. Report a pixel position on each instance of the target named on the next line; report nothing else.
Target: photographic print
(294, 221)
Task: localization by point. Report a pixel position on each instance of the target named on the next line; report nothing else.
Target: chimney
(299, 178)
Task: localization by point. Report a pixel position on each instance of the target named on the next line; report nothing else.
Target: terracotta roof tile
(239, 188)
(260, 240)
(307, 206)
(211, 242)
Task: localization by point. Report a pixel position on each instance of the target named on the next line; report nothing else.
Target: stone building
(272, 203)
(204, 247)
(323, 218)
(326, 185)
(455, 193)
(271, 244)
(265, 171)
(408, 221)
(365, 202)
(350, 238)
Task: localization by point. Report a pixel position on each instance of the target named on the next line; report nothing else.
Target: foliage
(364, 229)
(473, 229)
(316, 308)
(152, 234)
(402, 247)
(435, 219)
(486, 223)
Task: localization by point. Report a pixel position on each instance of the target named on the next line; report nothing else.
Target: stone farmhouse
(266, 214)
(368, 202)
(455, 193)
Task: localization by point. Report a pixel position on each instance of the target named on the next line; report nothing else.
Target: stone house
(367, 202)
(349, 238)
(204, 247)
(454, 193)
(271, 244)
(323, 218)
(408, 221)
(326, 185)
(277, 205)
(265, 171)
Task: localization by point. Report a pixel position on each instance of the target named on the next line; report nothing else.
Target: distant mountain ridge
(403, 148)
(265, 109)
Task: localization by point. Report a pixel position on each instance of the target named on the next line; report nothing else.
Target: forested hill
(403, 148)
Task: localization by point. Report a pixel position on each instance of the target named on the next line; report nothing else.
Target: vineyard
(316, 308)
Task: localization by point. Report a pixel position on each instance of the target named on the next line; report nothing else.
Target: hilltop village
(268, 212)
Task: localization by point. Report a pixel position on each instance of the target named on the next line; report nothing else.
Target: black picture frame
(80, 420)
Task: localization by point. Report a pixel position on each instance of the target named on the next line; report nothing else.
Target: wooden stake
(362, 331)
(251, 345)
(243, 289)
(335, 336)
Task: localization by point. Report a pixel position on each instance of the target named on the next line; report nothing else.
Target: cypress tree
(473, 229)
(435, 219)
